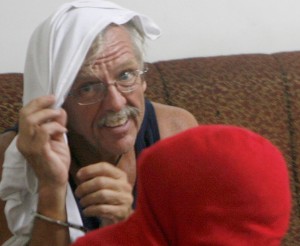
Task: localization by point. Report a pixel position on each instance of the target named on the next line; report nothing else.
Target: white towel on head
(55, 54)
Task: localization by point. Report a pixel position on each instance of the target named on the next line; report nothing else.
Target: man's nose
(114, 100)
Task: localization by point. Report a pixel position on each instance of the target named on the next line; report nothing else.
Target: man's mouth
(115, 119)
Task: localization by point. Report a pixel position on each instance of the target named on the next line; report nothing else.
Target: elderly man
(72, 166)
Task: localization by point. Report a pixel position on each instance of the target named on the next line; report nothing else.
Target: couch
(257, 91)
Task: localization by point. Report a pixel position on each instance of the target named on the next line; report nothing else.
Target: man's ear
(144, 85)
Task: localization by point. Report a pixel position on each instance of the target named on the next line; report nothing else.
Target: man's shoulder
(172, 120)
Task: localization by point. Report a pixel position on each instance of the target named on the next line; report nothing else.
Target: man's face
(113, 135)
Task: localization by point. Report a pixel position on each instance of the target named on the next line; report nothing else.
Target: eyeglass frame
(137, 73)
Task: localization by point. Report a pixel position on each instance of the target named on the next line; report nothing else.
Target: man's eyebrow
(121, 65)
(127, 64)
(85, 73)
(84, 78)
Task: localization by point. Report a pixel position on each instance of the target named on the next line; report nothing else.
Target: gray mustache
(128, 112)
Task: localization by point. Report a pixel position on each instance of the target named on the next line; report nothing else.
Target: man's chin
(118, 146)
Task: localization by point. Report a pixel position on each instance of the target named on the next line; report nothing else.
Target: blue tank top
(148, 133)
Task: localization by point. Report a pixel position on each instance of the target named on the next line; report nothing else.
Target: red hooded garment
(210, 185)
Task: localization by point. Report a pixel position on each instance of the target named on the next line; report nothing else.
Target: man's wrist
(59, 222)
(52, 202)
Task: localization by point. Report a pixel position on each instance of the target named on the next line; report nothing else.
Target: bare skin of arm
(48, 154)
(45, 207)
(172, 120)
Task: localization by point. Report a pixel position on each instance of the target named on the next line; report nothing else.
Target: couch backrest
(257, 91)
(11, 90)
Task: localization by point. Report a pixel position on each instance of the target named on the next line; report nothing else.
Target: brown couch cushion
(11, 90)
(260, 92)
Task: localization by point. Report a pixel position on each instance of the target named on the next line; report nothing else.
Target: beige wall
(190, 27)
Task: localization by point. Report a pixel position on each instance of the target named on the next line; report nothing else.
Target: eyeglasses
(91, 93)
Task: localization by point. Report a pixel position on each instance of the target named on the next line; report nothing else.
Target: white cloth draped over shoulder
(55, 54)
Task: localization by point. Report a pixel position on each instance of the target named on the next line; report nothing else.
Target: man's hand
(105, 192)
(41, 141)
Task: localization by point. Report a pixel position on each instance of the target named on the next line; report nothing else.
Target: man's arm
(48, 155)
(51, 204)
(5, 140)
(41, 142)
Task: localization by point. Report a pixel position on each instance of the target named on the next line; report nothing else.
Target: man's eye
(126, 76)
(90, 89)
(86, 88)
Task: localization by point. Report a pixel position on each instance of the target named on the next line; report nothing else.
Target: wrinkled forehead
(114, 43)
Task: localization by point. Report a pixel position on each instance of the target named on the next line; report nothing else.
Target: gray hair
(137, 40)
